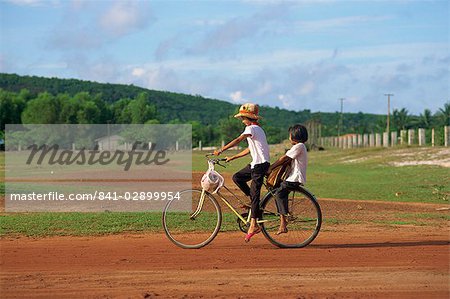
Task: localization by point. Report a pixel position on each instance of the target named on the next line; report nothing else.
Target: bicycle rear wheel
(193, 220)
(304, 219)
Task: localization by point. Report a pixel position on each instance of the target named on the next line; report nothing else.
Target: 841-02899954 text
(97, 195)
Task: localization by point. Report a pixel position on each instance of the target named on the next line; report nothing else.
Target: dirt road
(345, 261)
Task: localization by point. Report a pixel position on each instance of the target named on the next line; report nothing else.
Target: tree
(425, 119)
(140, 110)
(230, 128)
(11, 107)
(443, 115)
(69, 109)
(89, 113)
(275, 135)
(120, 111)
(400, 118)
(197, 131)
(44, 109)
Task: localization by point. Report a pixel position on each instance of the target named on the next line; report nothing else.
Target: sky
(289, 54)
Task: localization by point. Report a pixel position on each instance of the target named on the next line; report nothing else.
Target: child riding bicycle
(258, 148)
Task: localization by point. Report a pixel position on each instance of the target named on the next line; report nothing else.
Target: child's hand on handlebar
(228, 159)
(217, 152)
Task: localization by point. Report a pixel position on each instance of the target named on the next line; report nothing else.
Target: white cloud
(263, 88)
(308, 79)
(237, 29)
(307, 88)
(34, 2)
(333, 23)
(79, 4)
(316, 59)
(236, 97)
(124, 17)
(209, 22)
(138, 72)
(87, 27)
(286, 101)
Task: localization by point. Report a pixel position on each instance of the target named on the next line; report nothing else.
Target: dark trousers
(256, 175)
(282, 194)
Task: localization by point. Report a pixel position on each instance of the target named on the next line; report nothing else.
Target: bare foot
(281, 230)
(254, 230)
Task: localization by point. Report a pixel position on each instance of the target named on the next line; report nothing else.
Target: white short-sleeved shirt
(299, 163)
(257, 143)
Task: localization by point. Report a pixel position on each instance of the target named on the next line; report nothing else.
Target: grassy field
(367, 174)
(364, 174)
(370, 174)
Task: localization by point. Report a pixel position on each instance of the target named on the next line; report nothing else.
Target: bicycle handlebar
(215, 160)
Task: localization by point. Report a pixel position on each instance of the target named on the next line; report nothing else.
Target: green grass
(370, 177)
(399, 222)
(351, 174)
(77, 224)
(430, 216)
(336, 221)
(82, 224)
(362, 174)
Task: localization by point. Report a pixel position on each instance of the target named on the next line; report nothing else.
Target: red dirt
(368, 259)
(347, 261)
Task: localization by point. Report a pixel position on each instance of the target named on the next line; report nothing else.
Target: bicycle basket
(212, 181)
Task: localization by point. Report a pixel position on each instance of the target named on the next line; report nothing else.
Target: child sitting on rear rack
(298, 158)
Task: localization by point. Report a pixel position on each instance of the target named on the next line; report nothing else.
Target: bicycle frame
(245, 221)
(222, 197)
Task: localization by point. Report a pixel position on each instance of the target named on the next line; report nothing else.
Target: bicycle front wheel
(193, 220)
(303, 221)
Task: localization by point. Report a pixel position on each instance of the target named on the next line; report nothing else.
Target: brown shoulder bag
(278, 174)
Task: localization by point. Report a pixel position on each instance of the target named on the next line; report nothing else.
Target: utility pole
(109, 134)
(389, 110)
(340, 119)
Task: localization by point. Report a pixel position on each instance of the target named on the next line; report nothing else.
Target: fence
(406, 137)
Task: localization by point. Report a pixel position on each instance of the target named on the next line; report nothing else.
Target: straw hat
(248, 110)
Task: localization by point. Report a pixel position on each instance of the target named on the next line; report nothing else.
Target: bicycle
(194, 219)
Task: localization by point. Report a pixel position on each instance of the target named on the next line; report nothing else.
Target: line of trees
(84, 108)
(30, 99)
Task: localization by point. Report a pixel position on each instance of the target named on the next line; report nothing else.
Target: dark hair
(249, 119)
(298, 133)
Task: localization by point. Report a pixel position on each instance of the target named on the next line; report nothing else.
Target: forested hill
(78, 101)
(170, 106)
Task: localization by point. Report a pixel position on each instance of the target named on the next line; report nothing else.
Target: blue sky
(291, 54)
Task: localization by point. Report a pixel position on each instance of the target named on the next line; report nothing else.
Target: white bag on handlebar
(212, 181)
